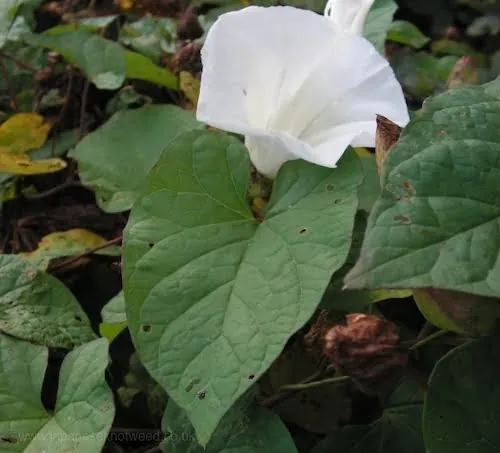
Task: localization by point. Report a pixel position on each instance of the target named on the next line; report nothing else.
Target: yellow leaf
(126, 4)
(67, 243)
(23, 132)
(19, 164)
(190, 86)
(18, 135)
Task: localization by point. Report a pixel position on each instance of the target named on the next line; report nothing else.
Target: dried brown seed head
(367, 348)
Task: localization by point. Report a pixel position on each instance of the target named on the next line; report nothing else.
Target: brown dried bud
(188, 58)
(367, 348)
(53, 57)
(386, 136)
(451, 32)
(189, 27)
(464, 72)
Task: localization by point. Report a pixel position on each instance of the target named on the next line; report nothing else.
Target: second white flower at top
(296, 85)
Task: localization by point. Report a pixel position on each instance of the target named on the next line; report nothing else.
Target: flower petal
(268, 152)
(340, 99)
(348, 15)
(254, 60)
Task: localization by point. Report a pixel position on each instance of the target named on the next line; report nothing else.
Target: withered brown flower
(368, 349)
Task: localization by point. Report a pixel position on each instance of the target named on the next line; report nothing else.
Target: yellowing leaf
(23, 132)
(22, 165)
(190, 86)
(459, 312)
(18, 135)
(67, 243)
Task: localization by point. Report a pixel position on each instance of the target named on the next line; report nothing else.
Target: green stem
(428, 339)
(314, 384)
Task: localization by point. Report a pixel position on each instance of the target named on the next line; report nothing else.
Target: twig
(73, 259)
(426, 330)
(314, 384)
(286, 391)
(418, 344)
(10, 87)
(54, 190)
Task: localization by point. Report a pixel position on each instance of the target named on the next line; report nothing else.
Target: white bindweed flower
(295, 85)
(348, 15)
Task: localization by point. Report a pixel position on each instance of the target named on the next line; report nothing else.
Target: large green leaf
(36, 307)
(398, 430)
(116, 158)
(462, 405)
(84, 408)
(243, 430)
(378, 21)
(212, 294)
(437, 221)
(106, 63)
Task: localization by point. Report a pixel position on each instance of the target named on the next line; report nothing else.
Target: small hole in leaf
(303, 230)
(330, 187)
(151, 245)
(252, 376)
(146, 328)
(78, 318)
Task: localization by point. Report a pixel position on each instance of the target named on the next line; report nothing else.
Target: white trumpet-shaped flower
(295, 85)
(348, 15)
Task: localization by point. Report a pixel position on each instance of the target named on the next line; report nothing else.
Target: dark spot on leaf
(146, 328)
(78, 318)
(252, 376)
(329, 187)
(402, 218)
(409, 188)
(303, 230)
(337, 201)
(9, 440)
(151, 245)
(23, 164)
(201, 394)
